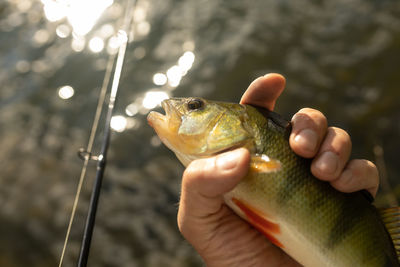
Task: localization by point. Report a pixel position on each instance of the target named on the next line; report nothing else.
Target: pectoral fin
(263, 164)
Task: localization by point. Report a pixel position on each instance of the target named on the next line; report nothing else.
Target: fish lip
(166, 107)
(170, 108)
(154, 116)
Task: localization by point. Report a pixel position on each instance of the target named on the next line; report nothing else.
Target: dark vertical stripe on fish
(292, 184)
(345, 221)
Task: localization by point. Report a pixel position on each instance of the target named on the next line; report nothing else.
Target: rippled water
(338, 56)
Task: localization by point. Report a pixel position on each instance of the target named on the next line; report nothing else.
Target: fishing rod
(101, 159)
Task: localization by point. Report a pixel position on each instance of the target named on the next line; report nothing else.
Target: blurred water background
(341, 57)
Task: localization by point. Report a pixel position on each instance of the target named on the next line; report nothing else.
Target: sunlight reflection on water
(338, 56)
(159, 79)
(154, 98)
(63, 30)
(96, 44)
(66, 92)
(118, 123)
(82, 15)
(175, 73)
(78, 44)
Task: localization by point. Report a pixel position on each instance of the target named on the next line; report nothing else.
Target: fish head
(196, 128)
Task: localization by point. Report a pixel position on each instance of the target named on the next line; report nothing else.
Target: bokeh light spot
(186, 60)
(118, 123)
(54, 10)
(188, 46)
(63, 30)
(113, 45)
(41, 36)
(66, 92)
(139, 14)
(131, 109)
(96, 44)
(107, 30)
(78, 44)
(159, 79)
(39, 66)
(23, 66)
(24, 5)
(139, 52)
(154, 98)
(174, 75)
(84, 14)
(155, 141)
(143, 28)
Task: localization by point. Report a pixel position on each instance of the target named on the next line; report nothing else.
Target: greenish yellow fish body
(307, 218)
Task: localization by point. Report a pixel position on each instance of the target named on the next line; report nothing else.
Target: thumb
(264, 91)
(206, 180)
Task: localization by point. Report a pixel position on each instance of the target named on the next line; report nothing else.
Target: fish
(304, 216)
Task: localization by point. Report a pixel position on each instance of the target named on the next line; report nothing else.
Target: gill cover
(210, 126)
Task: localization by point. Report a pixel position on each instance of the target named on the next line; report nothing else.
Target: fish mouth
(162, 123)
(155, 118)
(166, 126)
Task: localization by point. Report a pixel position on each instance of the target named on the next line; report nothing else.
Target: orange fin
(255, 218)
(391, 219)
(263, 164)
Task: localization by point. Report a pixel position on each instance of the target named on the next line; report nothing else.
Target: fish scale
(306, 217)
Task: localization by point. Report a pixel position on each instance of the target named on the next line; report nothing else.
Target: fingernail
(228, 160)
(327, 163)
(307, 139)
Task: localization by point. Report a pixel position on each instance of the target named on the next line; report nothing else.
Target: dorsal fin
(391, 219)
(276, 119)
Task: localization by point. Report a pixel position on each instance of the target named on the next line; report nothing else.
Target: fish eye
(195, 104)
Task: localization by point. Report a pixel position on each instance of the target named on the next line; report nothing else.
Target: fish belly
(279, 233)
(332, 233)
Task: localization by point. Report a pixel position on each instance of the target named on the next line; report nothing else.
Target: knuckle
(314, 114)
(198, 170)
(340, 136)
(341, 185)
(372, 170)
(309, 111)
(339, 132)
(364, 166)
(366, 171)
(311, 117)
(346, 182)
(192, 173)
(371, 166)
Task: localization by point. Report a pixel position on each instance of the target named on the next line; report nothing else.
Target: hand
(220, 236)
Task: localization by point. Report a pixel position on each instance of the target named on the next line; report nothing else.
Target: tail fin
(391, 219)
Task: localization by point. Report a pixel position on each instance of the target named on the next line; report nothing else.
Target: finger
(332, 155)
(358, 174)
(264, 91)
(309, 127)
(205, 181)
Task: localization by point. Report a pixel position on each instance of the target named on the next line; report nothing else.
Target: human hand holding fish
(219, 235)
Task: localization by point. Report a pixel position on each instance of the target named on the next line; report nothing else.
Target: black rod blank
(101, 164)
